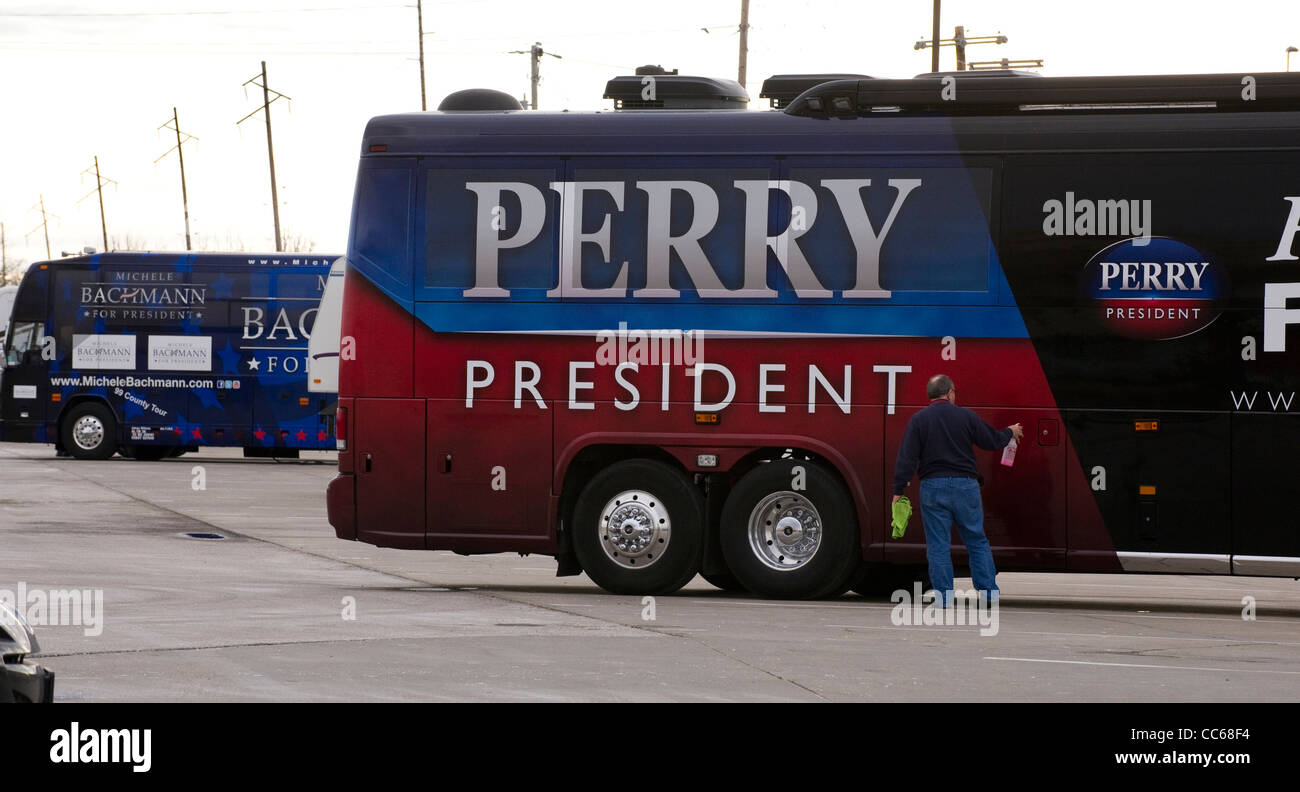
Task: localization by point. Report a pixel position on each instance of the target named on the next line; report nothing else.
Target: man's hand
(896, 497)
(1017, 431)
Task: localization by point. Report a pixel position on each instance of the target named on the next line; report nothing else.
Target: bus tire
(789, 533)
(89, 431)
(659, 520)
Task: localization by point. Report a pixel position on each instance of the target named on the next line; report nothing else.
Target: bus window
(488, 230)
(902, 205)
(23, 338)
(381, 227)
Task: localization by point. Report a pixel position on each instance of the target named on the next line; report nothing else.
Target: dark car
(21, 680)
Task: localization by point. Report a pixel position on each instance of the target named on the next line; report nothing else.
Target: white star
(253, 364)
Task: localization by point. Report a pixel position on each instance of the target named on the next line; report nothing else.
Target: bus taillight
(341, 428)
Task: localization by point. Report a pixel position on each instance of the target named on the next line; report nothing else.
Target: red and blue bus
(657, 342)
(154, 354)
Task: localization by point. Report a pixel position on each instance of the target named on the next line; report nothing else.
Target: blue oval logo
(1159, 290)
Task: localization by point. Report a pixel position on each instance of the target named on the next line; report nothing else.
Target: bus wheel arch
(789, 529)
(88, 428)
(638, 527)
(573, 477)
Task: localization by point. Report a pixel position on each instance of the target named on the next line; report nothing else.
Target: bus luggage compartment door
(1161, 484)
(489, 477)
(388, 435)
(1265, 518)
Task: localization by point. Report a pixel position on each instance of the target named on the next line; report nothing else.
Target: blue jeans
(945, 501)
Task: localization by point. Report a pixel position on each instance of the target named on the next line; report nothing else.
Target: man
(938, 439)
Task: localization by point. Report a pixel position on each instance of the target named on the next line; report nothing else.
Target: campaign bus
(153, 354)
(679, 338)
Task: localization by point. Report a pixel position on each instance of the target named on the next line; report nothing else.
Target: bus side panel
(388, 435)
(378, 362)
(1160, 490)
(1024, 505)
(488, 477)
(1266, 519)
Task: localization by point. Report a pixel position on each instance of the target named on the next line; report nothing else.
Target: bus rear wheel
(90, 431)
(789, 531)
(638, 528)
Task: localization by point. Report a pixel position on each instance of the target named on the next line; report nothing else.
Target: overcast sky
(81, 79)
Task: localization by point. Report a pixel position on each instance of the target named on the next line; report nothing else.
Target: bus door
(24, 386)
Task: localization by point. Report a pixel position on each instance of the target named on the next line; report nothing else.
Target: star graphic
(322, 436)
(197, 434)
(253, 364)
(302, 435)
(259, 434)
(222, 286)
(229, 359)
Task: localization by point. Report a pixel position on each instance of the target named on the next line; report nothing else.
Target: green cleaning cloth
(902, 513)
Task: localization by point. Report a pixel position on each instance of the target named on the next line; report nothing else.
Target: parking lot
(281, 610)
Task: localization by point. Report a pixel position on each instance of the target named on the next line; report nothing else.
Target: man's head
(939, 386)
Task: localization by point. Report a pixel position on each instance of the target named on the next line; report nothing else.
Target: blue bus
(154, 354)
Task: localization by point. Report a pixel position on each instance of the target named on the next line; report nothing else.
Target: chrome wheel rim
(634, 529)
(785, 531)
(88, 433)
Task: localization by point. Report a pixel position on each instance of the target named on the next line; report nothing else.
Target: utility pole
(99, 188)
(419, 21)
(959, 40)
(270, 149)
(934, 39)
(4, 257)
(181, 139)
(744, 42)
(44, 226)
(536, 52)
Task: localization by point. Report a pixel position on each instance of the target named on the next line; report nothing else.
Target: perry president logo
(1156, 290)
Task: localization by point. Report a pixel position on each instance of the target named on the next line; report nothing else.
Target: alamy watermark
(650, 347)
(967, 608)
(58, 607)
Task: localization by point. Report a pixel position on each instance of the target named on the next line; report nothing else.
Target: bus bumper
(26, 682)
(341, 504)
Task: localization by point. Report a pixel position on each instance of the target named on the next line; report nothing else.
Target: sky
(91, 78)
